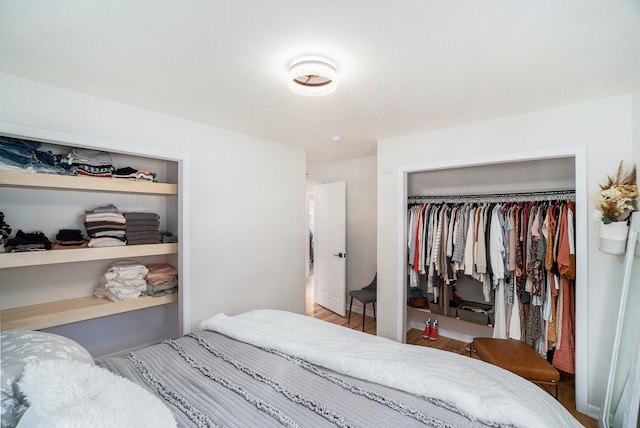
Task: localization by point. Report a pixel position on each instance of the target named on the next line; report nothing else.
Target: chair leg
(364, 311)
(350, 305)
(374, 311)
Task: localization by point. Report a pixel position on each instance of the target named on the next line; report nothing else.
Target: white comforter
(477, 388)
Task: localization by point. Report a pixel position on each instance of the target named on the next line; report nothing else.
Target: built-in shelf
(95, 184)
(24, 274)
(44, 315)
(50, 314)
(36, 258)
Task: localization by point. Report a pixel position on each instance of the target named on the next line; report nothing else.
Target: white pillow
(73, 394)
(20, 348)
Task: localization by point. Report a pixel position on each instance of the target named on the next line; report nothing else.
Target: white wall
(247, 194)
(630, 334)
(603, 126)
(360, 178)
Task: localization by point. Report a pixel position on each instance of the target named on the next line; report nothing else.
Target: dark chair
(365, 295)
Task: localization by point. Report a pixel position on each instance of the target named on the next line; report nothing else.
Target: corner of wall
(635, 131)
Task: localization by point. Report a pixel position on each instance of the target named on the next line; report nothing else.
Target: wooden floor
(566, 386)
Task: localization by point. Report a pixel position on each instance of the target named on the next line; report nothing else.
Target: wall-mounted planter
(613, 237)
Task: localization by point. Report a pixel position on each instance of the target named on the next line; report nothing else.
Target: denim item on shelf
(41, 167)
(14, 160)
(17, 152)
(25, 146)
(24, 154)
(47, 158)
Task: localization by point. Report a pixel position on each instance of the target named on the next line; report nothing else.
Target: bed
(268, 368)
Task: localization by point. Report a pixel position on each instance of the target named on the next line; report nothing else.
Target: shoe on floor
(433, 334)
(427, 329)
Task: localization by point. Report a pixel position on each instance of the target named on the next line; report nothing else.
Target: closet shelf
(425, 310)
(51, 314)
(64, 182)
(428, 311)
(36, 258)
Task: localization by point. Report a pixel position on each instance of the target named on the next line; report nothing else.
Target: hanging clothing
(522, 253)
(564, 357)
(500, 323)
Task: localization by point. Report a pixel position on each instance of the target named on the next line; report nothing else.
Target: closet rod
(498, 197)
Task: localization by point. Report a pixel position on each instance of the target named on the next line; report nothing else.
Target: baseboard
(358, 310)
(594, 412)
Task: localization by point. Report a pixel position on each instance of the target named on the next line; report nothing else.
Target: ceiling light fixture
(312, 75)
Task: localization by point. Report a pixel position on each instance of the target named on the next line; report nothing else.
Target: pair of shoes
(431, 330)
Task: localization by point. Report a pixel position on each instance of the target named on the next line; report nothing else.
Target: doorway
(326, 246)
(309, 265)
(330, 246)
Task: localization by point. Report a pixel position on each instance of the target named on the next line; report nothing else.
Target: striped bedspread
(208, 379)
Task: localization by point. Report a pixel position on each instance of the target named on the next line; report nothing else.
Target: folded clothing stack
(19, 154)
(23, 242)
(161, 279)
(123, 280)
(129, 173)
(142, 228)
(167, 237)
(69, 238)
(105, 226)
(5, 232)
(93, 163)
(16, 152)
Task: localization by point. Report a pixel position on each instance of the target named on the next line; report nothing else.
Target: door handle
(341, 255)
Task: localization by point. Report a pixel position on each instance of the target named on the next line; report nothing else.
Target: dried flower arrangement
(617, 196)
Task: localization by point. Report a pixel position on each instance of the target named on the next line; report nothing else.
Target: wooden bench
(518, 358)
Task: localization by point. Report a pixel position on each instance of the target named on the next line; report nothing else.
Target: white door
(330, 247)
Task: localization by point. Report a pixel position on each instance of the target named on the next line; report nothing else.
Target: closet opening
(551, 173)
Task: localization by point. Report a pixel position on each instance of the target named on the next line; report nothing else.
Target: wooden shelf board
(425, 310)
(428, 311)
(65, 182)
(44, 315)
(36, 258)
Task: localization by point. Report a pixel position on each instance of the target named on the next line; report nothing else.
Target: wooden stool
(518, 358)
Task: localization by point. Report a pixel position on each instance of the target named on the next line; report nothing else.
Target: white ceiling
(404, 66)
